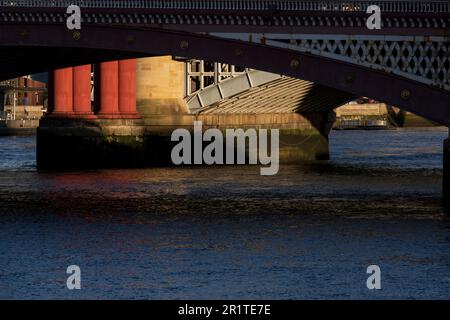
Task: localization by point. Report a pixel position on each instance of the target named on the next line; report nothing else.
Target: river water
(309, 232)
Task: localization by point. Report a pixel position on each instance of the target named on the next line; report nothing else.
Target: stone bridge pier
(162, 102)
(137, 104)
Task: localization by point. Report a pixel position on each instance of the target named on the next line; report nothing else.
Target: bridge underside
(285, 95)
(16, 61)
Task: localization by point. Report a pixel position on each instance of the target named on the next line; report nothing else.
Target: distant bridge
(406, 63)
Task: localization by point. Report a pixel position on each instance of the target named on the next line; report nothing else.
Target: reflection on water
(226, 232)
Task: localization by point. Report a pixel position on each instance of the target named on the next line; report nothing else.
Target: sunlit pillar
(127, 88)
(82, 90)
(62, 82)
(107, 78)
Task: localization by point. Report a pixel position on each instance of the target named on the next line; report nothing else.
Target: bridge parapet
(264, 16)
(416, 22)
(238, 5)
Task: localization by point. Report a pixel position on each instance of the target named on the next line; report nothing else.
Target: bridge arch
(36, 48)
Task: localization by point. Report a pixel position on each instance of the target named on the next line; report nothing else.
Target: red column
(108, 86)
(50, 92)
(82, 91)
(127, 88)
(63, 92)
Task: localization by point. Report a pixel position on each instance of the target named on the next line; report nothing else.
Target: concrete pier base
(446, 175)
(303, 137)
(128, 143)
(99, 143)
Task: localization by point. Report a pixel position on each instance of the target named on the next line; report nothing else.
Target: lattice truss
(423, 59)
(203, 74)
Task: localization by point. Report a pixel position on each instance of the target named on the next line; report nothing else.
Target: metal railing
(407, 6)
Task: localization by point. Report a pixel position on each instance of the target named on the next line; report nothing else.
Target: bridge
(325, 45)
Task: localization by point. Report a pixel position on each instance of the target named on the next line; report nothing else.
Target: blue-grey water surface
(309, 232)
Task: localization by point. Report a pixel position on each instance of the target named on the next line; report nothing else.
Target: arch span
(34, 48)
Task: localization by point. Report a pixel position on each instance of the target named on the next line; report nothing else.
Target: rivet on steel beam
(184, 44)
(24, 33)
(131, 39)
(76, 35)
(405, 94)
(349, 78)
(295, 64)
